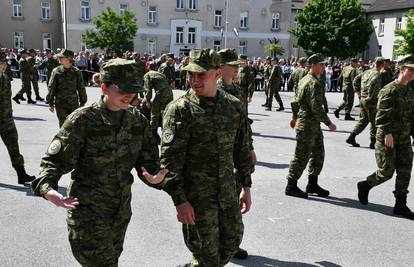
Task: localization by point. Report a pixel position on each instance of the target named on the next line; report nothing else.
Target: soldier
(309, 137)
(8, 131)
(183, 75)
(100, 144)
(371, 83)
(266, 74)
(297, 75)
(245, 81)
(66, 87)
(386, 73)
(33, 73)
(25, 74)
(153, 80)
(393, 151)
(204, 139)
(50, 63)
(348, 75)
(167, 68)
(274, 83)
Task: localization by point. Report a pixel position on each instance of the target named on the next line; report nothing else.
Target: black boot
(241, 254)
(264, 105)
(20, 97)
(280, 108)
(268, 108)
(30, 101)
(39, 98)
(314, 188)
(16, 99)
(363, 191)
(293, 190)
(351, 140)
(348, 117)
(401, 208)
(336, 112)
(372, 143)
(22, 176)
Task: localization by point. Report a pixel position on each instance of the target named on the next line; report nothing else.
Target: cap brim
(130, 88)
(192, 67)
(236, 62)
(408, 65)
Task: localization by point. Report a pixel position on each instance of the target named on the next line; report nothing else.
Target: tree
(405, 46)
(114, 33)
(274, 48)
(335, 28)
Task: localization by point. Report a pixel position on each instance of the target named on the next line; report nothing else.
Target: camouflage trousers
(366, 115)
(274, 92)
(399, 159)
(26, 87)
(215, 237)
(348, 100)
(63, 111)
(266, 90)
(35, 85)
(8, 133)
(309, 149)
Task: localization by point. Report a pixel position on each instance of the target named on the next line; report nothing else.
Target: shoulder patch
(54, 147)
(167, 136)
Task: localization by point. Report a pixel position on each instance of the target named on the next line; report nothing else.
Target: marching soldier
(274, 84)
(25, 74)
(348, 75)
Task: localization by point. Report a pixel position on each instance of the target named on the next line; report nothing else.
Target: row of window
(381, 28)
(17, 9)
(18, 40)
(192, 4)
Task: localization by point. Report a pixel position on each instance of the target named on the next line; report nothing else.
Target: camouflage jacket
(49, 64)
(204, 140)
(371, 83)
(5, 101)
(168, 71)
(295, 77)
(66, 87)
(153, 80)
(25, 68)
(387, 76)
(267, 71)
(275, 78)
(99, 153)
(348, 75)
(395, 113)
(246, 82)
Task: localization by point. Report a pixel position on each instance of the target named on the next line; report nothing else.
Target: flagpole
(226, 6)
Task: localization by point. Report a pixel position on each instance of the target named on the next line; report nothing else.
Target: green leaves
(405, 45)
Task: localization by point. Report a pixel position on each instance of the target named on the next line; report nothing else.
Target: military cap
(65, 53)
(170, 55)
(379, 60)
(407, 62)
(22, 51)
(126, 74)
(242, 57)
(303, 60)
(228, 56)
(202, 60)
(316, 58)
(3, 57)
(31, 50)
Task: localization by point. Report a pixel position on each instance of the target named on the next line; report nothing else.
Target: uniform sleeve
(316, 102)
(291, 81)
(384, 116)
(148, 88)
(375, 86)
(175, 137)
(81, 90)
(356, 82)
(52, 86)
(352, 76)
(61, 157)
(251, 83)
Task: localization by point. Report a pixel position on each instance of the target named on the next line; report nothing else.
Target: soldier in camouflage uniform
(371, 83)
(34, 76)
(297, 75)
(204, 140)
(393, 151)
(8, 131)
(348, 75)
(50, 63)
(100, 144)
(386, 73)
(66, 87)
(267, 70)
(274, 83)
(167, 68)
(246, 81)
(309, 137)
(25, 74)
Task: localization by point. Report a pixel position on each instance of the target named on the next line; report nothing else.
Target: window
(152, 15)
(399, 23)
(123, 8)
(217, 45)
(218, 18)
(152, 47)
(47, 40)
(276, 21)
(191, 35)
(18, 40)
(381, 27)
(243, 47)
(192, 4)
(179, 4)
(179, 35)
(45, 6)
(85, 10)
(244, 20)
(17, 8)
(379, 53)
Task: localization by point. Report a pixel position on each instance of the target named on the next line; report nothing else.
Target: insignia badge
(167, 136)
(54, 147)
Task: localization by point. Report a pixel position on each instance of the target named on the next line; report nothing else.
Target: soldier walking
(33, 74)
(246, 81)
(274, 84)
(348, 75)
(266, 74)
(167, 68)
(25, 75)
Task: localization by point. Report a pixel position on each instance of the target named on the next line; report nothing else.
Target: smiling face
(204, 84)
(115, 99)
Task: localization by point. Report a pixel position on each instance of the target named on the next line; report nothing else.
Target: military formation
(206, 157)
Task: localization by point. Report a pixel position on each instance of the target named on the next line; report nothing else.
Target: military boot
(265, 104)
(363, 191)
(39, 98)
(351, 140)
(268, 108)
(241, 254)
(348, 117)
(280, 108)
(314, 188)
(16, 99)
(372, 143)
(30, 101)
(20, 97)
(22, 176)
(336, 112)
(293, 190)
(401, 208)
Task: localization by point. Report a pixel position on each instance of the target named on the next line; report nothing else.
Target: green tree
(114, 33)
(274, 48)
(335, 28)
(405, 46)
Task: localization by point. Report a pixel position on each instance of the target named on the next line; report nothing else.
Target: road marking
(273, 220)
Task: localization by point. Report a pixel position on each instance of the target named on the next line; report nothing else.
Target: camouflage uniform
(387, 76)
(49, 64)
(246, 82)
(266, 74)
(25, 75)
(33, 76)
(274, 83)
(100, 147)
(348, 75)
(295, 77)
(204, 139)
(168, 70)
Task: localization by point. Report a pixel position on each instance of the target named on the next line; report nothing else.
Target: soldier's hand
(245, 200)
(253, 158)
(389, 141)
(185, 213)
(60, 201)
(154, 179)
(292, 123)
(52, 109)
(332, 127)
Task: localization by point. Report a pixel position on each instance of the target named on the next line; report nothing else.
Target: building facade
(30, 24)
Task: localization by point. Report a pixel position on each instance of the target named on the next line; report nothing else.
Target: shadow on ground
(26, 189)
(28, 119)
(260, 261)
(274, 136)
(272, 165)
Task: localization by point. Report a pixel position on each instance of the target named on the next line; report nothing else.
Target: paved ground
(279, 230)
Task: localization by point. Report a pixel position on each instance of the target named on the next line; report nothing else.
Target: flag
(236, 31)
(222, 33)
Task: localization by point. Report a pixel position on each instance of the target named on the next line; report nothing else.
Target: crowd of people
(207, 154)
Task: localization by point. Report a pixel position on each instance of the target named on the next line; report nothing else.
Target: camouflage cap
(202, 60)
(126, 74)
(228, 57)
(303, 60)
(407, 62)
(65, 53)
(316, 58)
(379, 60)
(243, 57)
(3, 56)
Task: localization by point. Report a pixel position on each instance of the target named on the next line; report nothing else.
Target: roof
(390, 5)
